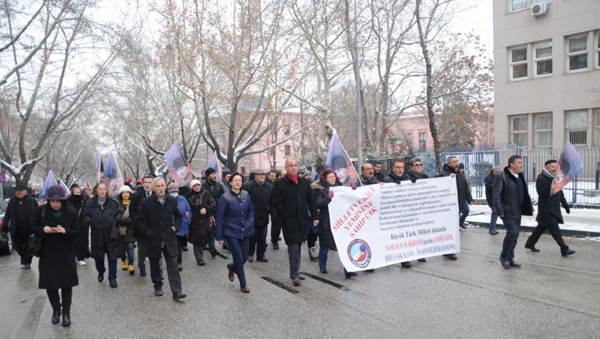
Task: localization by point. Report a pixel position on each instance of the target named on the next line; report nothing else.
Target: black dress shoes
(351, 274)
(323, 270)
(514, 264)
(158, 291)
(66, 319)
(100, 277)
(406, 264)
(262, 260)
(113, 284)
(532, 248)
(142, 272)
(213, 252)
(451, 256)
(422, 260)
(493, 232)
(505, 264)
(178, 296)
(55, 317)
(567, 252)
(275, 246)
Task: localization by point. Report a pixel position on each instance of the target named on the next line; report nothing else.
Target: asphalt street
(474, 297)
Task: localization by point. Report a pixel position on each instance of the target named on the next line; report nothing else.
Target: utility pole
(357, 76)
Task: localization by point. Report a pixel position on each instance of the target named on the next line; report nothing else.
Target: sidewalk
(581, 221)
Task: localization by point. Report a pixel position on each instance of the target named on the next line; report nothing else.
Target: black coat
(393, 178)
(322, 201)
(200, 232)
(261, 200)
(136, 199)
(549, 206)
(414, 176)
(215, 189)
(126, 221)
(57, 258)
(293, 203)
(154, 221)
(489, 188)
(103, 221)
(462, 186)
(506, 195)
(365, 181)
(10, 218)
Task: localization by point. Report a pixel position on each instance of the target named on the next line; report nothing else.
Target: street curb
(570, 233)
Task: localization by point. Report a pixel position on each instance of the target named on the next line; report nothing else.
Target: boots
(124, 265)
(131, 270)
(55, 316)
(312, 253)
(66, 318)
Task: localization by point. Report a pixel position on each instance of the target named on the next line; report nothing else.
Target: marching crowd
(161, 219)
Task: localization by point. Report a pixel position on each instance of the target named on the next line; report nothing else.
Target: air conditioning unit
(540, 9)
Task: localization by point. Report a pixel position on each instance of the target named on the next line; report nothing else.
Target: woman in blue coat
(184, 229)
(235, 221)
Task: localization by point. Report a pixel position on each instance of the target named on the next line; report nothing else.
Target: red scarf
(293, 178)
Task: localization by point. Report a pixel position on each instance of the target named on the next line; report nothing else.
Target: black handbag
(34, 246)
(3, 239)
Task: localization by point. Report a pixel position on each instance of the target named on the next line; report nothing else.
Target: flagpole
(357, 76)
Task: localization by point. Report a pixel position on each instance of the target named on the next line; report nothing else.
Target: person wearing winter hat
(184, 229)
(202, 207)
(56, 224)
(127, 251)
(225, 175)
(102, 213)
(216, 190)
(19, 221)
(77, 200)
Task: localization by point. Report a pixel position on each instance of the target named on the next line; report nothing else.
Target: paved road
(550, 297)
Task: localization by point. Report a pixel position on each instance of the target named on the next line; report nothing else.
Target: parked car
(4, 237)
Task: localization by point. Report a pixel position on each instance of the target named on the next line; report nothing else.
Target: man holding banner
(511, 199)
(549, 215)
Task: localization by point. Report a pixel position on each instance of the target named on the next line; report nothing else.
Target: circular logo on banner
(359, 253)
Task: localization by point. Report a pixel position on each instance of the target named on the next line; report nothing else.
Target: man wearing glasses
(416, 170)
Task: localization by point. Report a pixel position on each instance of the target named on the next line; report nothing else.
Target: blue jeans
(239, 251)
(323, 251)
(129, 253)
(464, 216)
(512, 226)
(493, 219)
(258, 241)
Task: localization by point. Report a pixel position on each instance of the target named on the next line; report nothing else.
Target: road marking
(332, 283)
(281, 285)
(27, 329)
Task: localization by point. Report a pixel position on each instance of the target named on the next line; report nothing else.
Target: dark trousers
(239, 252)
(67, 295)
(82, 243)
(554, 232)
(181, 243)
(311, 239)
(112, 265)
(512, 226)
(142, 245)
(20, 242)
(172, 271)
(258, 241)
(294, 257)
(275, 230)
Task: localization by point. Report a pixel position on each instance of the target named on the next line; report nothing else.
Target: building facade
(547, 72)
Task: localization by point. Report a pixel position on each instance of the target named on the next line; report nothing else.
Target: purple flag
(178, 167)
(214, 164)
(339, 162)
(112, 175)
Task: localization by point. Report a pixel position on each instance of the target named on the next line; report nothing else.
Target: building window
(543, 130)
(288, 150)
(518, 130)
(422, 141)
(543, 58)
(598, 50)
(577, 52)
(517, 5)
(596, 126)
(286, 130)
(243, 170)
(518, 62)
(577, 127)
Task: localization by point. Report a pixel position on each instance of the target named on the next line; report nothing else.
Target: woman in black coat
(102, 213)
(56, 224)
(323, 196)
(203, 206)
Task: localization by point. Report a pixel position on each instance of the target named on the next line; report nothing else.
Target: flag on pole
(178, 167)
(62, 183)
(87, 185)
(112, 175)
(50, 180)
(214, 164)
(339, 162)
(99, 166)
(128, 178)
(569, 166)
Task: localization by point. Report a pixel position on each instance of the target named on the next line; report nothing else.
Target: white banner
(380, 225)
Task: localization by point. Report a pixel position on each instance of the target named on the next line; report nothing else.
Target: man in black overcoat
(293, 199)
(158, 219)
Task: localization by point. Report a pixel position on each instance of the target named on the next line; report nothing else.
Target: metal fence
(583, 191)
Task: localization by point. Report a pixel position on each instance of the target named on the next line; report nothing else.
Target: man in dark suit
(511, 199)
(158, 219)
(293, 198)
(549, 215)
(19, 220)
(136, 199)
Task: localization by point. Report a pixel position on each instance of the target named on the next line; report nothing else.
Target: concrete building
(547, 72)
